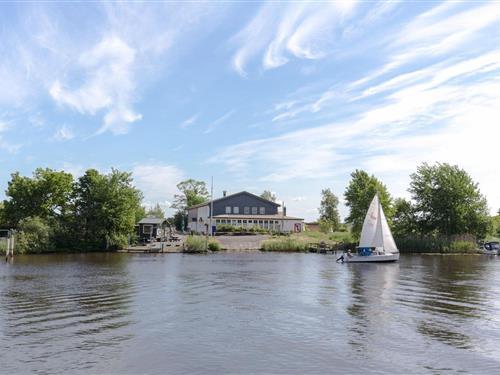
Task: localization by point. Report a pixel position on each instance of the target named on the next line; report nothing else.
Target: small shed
(151, 228)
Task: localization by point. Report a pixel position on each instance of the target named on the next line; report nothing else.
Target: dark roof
(232, 195)
(257, 217)
(152, 220)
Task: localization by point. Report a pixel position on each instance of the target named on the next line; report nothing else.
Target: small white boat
(376, 243)
(491, 248)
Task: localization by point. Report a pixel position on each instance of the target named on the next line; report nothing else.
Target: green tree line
(52, 211)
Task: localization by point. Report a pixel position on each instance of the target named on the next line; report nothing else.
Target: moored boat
(376, 243)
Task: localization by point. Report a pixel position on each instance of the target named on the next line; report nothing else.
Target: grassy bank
(198, 244)
(436, 244)
(285, 244)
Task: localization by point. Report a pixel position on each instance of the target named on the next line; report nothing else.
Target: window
(246, 210)
(236, 210)
(262, 210)
(217, 221)
(193, 219)
(254, 210)
(228, 209)
(239, 221)
(147, 229)
(244, 221)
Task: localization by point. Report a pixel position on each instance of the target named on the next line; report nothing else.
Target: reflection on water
(248, 313)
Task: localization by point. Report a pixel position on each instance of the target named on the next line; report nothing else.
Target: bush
(284, 244)
(213, 245)
(33, 236)
(117, 242)
(3, 246)
(462, 247)
(195, 244)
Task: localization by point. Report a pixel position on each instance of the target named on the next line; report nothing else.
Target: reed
(285, 244)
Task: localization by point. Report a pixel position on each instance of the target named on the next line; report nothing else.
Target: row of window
(234, 222)
(246, 210)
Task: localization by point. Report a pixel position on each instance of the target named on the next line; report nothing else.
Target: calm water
(248, 313)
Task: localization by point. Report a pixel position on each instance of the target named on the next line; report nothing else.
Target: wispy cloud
(64, 133)
(411, 110)
(279, 32)
(188, 122)
(109, 66)
(215, 124)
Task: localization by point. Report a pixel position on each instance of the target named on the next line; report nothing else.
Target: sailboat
(376, 243)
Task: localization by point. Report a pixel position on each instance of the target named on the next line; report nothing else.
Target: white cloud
(64, 133)
(109, 66)
(279, 32)
(219, 121)
(157, 181)
(446, 112)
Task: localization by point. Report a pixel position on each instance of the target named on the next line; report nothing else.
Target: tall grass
(286, 244)
(197, 244)
(3, 246)
(436, 244)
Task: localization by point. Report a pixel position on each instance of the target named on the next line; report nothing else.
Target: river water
(248, 313)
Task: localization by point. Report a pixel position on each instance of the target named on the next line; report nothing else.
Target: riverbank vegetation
(285, 244)
(199, 244)
(52, 212)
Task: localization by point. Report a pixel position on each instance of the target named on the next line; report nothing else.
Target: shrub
(195, 244)
(284, 244)
(3, 246)
(213, 245)
(33, 236)
(462, 246)
(344, 237)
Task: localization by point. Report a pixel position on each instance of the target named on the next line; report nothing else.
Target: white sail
(387, 239)
(370, 224)
(376, 231)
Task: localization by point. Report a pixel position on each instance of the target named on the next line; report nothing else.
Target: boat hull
(372, 258)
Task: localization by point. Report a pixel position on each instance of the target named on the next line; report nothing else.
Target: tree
(45, 195)
(448, 201)
(156, 211)
(192, 193)
(106, 207)
(328, 210)
(404, 220)
(269, 195)
(358, 196)
(33, 236)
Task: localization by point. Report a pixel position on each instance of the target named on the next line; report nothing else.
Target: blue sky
(285, 96)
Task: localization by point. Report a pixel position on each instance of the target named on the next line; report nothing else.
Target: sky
(289, 97)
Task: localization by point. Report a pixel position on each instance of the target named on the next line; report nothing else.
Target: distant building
(244, 210)
(151, 228)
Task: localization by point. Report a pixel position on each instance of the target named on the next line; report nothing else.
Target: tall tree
(404, 220)
(358, 196)
(448, 201)
(328, 210)
(269, 195)
(192, 192)
(106, 208)
(156, 211)
(45, 195)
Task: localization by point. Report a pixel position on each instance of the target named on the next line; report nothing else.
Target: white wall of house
(202, 214)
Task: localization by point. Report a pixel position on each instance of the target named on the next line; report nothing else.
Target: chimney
(224, 193)
(284, 209)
